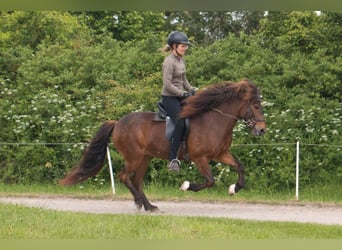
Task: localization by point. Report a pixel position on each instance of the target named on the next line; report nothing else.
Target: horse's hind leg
(138, 184)
(125, 177)
(135, 187)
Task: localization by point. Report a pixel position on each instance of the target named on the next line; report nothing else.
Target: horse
(213, 112)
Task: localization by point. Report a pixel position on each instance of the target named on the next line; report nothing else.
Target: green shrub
(58, 86)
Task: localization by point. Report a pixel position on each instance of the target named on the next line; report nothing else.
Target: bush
(60, 88)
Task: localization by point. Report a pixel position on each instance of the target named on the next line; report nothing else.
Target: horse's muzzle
(259, 130)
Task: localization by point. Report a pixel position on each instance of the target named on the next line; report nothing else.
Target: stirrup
(174, 165)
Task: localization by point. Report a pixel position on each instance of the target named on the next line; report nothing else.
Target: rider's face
(181, 49)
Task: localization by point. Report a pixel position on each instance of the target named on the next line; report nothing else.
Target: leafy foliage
(63, 74)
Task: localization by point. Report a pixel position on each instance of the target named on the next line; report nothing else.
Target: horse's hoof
(231, 190)
(153, 209)
(138, 206)
(185, 186)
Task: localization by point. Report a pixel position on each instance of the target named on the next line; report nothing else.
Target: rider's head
(177, 37)
(174, 40)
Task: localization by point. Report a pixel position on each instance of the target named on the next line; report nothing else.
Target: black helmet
(177, 37)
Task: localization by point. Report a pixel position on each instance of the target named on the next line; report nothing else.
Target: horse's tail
(93, 157)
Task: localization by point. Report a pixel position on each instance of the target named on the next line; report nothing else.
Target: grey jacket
(174, 76)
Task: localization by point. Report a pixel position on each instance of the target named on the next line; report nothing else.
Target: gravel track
(329, 215)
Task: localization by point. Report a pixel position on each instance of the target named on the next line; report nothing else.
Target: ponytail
(167, 48)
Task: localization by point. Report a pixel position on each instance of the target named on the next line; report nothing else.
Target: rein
(250, 122)
(225, 114)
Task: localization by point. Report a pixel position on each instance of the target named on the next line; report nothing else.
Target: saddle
(162, 116)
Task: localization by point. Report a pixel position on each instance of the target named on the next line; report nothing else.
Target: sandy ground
(329, 215)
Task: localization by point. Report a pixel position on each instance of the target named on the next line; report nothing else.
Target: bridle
(250, 119)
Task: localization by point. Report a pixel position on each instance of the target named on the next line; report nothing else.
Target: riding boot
(174, 164)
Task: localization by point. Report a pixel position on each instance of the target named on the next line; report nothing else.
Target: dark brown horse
(213, 113)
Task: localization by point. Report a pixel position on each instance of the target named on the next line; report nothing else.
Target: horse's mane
(214, 95)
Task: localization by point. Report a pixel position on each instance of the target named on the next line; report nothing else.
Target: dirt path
(330, 215)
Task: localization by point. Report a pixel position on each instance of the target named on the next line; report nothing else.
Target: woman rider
(175, 89)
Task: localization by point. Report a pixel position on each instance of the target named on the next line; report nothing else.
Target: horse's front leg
(228, 159)
(204, 168)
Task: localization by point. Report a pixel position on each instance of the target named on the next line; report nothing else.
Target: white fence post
(297, 172)
(110, 170)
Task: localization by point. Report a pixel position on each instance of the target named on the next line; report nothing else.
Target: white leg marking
(231, 189)
(185, 186)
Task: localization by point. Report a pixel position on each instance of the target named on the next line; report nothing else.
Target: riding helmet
(177, 37)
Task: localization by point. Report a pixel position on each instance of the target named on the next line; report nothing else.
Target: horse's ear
(246, 89)
(243, 91)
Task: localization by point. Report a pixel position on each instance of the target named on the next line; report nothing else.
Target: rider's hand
(186, 94)
(193, 91)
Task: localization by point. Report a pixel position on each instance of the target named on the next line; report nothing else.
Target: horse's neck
(227, 116)
(221, 121)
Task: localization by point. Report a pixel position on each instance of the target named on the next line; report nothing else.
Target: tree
(205, 27)
(123, 25)
(289, 32)
(22, 32)
(331, 29)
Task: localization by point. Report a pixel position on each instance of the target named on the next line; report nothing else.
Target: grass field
(20, 222)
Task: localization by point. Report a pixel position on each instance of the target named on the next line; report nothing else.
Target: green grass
(19, 222)
(325, 194)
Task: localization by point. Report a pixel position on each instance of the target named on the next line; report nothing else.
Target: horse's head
(251, 110)
(241, 101)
